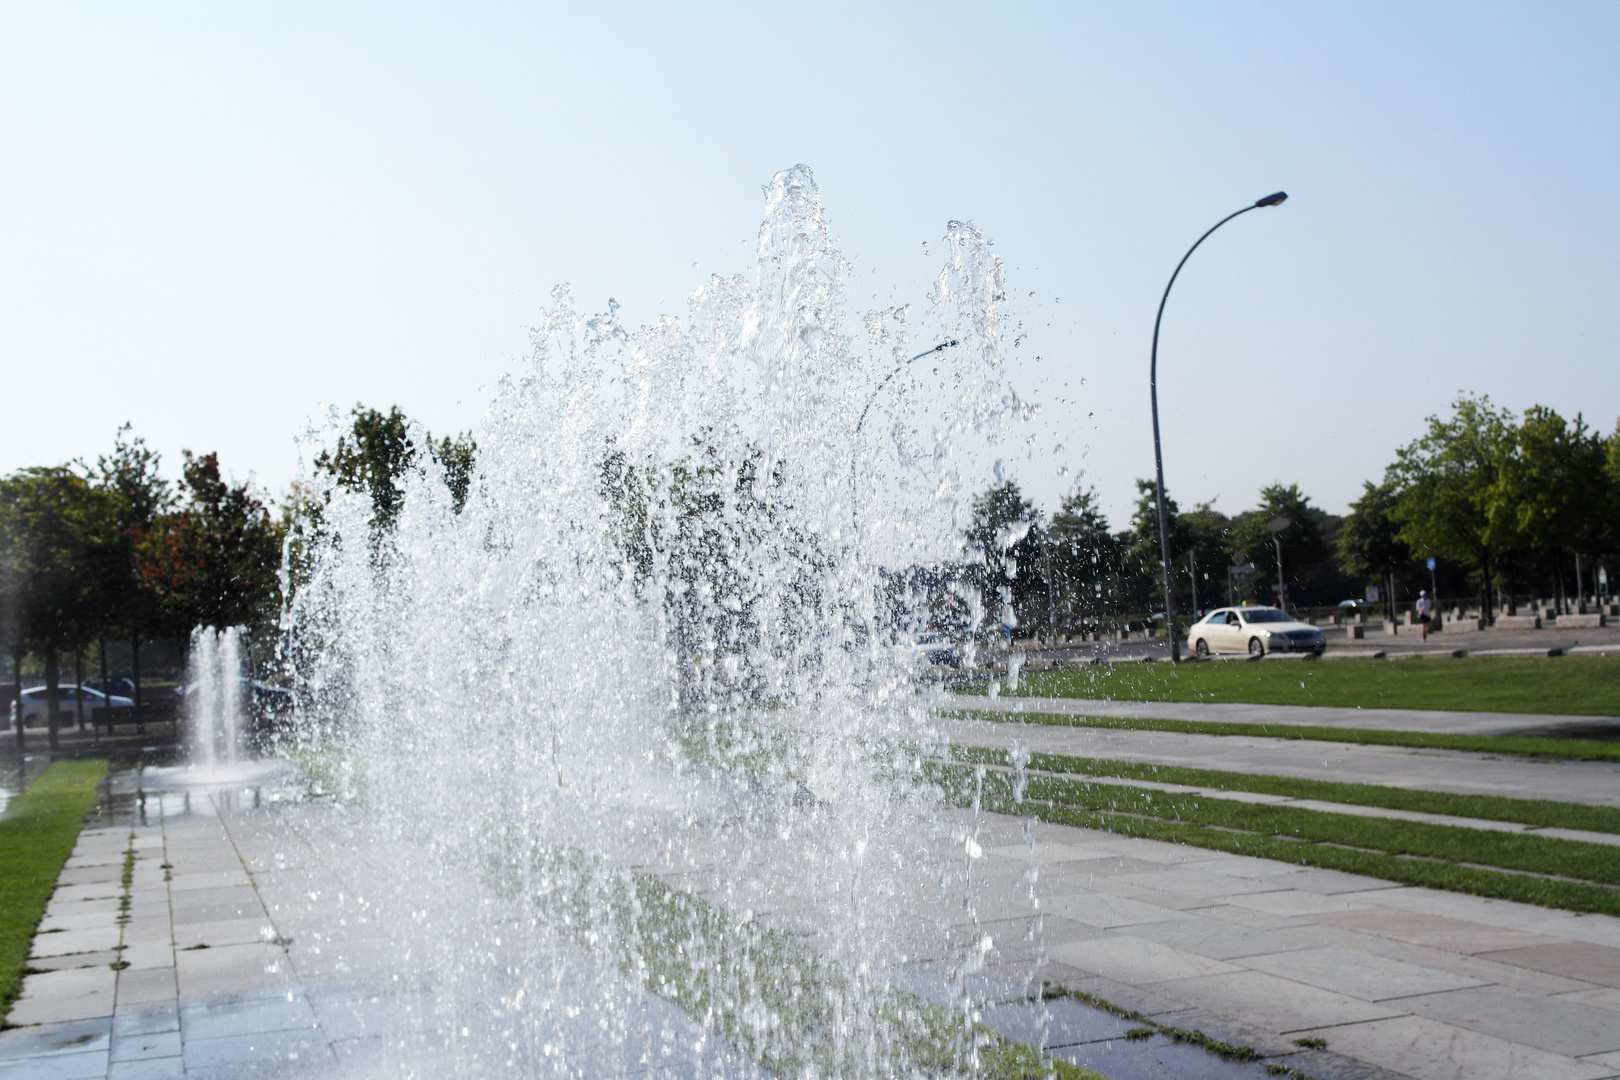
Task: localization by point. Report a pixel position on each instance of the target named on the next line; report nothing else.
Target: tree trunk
(16, 669)
(106, 688)
(135, 677)
(78, 686)
(53, 697)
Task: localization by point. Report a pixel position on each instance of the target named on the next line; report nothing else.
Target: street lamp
(1276, 526)
(1158, 457)
(870, 398)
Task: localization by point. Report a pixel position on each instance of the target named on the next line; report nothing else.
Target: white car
(34, 704)
(1254, 630)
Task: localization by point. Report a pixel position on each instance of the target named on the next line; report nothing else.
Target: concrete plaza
(250, 942)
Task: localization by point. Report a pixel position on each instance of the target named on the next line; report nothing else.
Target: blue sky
(219, 219)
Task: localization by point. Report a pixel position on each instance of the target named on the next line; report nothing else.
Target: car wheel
(1256, 648)
(1201, 647)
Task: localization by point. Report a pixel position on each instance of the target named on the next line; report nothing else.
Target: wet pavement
(250, 941)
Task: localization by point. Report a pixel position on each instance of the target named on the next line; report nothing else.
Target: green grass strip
(1569, 685)
(1309, 837)
(1511, 745)
(37, 835)
(1537, 812)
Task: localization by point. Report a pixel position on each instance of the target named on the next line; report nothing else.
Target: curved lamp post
(1158, 456)
(870, 398)
(1276, 527)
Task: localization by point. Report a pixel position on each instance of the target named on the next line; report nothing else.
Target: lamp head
(1272, 200)
(1278, 524)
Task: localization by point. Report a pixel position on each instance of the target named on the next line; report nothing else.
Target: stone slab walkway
(251, 942)
(247, 952)
(1596, 783)
(1427, 720)
(1399, 981)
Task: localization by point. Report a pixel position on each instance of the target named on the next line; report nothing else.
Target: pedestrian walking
(1425, 611)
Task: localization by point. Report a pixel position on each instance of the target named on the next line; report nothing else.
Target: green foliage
(1006, 563)
(1370, 545)
(1550, 486)
(37, 835)
(216, 561)
(378, 451)
(1085, 559)
(1302, 542)
(53, 525)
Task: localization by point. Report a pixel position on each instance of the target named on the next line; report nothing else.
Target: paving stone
(1062, 1022)
(90, 939)
(1279, 1005)
(146, 1019)
(1437, 931)
(75, 894)
(94, 874)
(224, 932)
(289, 1050)
(1429, 1050)
(1137, 960)
(193, 880)
(76, 913)
(81, 1066)
(153, 928)
(149, 954)
(74, 960)
(70, 1037)
(156, 1044)
(1555, 1024)
(1604, 998)
(1345, 971)
(282, 1013)
(1589, 963)
(1225, 941)
(146, 986)
(171, 1068)
(1105, 911)
(1298, 904)
(74, 994)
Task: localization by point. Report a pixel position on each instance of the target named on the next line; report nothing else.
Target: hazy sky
(220, 219)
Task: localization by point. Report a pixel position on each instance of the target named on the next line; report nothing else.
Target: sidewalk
(1430, 720)
(1596, 783)
(256, 948)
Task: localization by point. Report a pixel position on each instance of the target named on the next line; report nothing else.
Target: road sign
(1431, 562)
(1372, 594)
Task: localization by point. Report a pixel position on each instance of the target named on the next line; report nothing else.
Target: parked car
(934, 648)
(34, 704)
(1255, 630)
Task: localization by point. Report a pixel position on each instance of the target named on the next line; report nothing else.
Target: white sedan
(34, 704)
(1254, 630)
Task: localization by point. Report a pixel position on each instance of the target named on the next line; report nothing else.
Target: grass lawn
(1516, 745)
(1540, 813)
(1574, 685)
(37, 835)
(1412, 853)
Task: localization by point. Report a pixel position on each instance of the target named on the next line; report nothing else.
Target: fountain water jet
(641, 709)
(214, 705)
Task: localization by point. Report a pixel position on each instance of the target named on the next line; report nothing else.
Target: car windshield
(1266, 614)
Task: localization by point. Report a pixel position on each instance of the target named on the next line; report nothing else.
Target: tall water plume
(214, 706)
(647, 691)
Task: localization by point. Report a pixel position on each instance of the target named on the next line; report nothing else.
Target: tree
(377, 453)
(1004, 530)
(1444, 481)
(1370, 545)
(1085, 558)
(52, 521)
(1551, 491)
(216, 561)
(137, 496)
(1143, 553)
(1302, 546)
